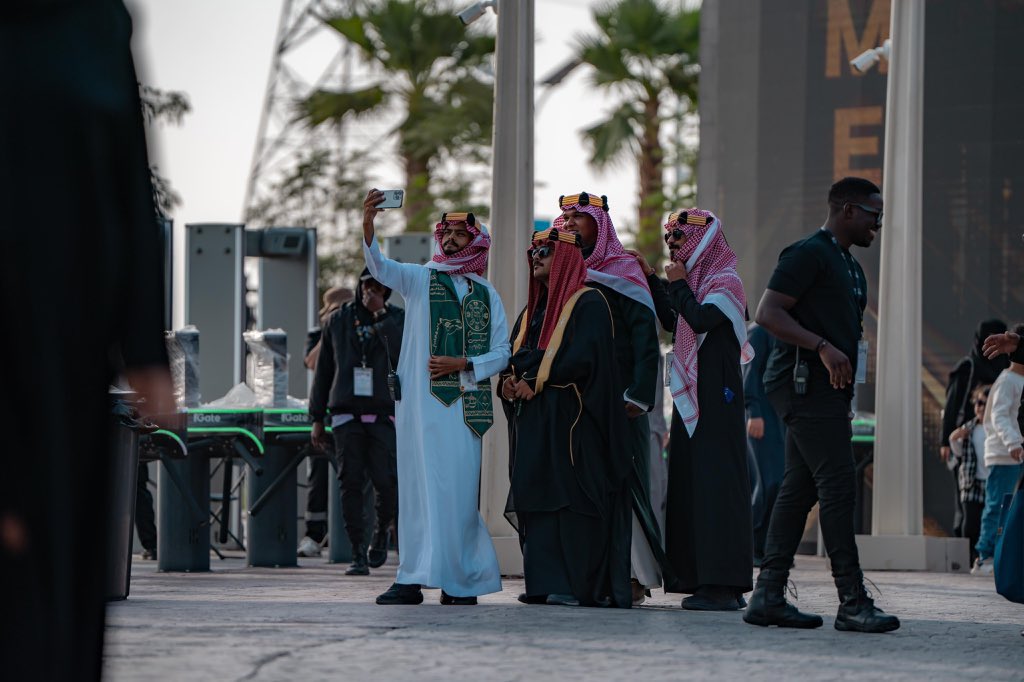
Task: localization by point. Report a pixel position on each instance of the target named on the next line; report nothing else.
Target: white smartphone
(392, 198)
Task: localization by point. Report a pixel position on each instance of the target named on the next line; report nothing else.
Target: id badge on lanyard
(862, 362)
(362, 381)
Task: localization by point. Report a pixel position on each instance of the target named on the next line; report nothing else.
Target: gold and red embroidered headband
(463, 217)
(583, 199)
(684, 218)
(555, 235)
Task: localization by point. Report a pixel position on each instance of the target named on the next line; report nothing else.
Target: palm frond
(614, 140)
(333, 106)
(352, 28)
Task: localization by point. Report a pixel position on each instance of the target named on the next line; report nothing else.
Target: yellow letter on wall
(848, 146)
(841, 30)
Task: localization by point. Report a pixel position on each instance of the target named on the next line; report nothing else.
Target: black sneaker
(399, 594)
(149, 554)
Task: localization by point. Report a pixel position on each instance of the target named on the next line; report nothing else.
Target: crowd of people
(982, 423)
(577, 374)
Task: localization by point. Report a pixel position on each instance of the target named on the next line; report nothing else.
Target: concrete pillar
(511, 227)
(896, 540)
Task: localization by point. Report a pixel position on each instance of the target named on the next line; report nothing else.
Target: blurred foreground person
(569, 466)
(78, 227)
(456, 339)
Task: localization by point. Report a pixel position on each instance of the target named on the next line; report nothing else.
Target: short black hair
(851, 190)
(1018, 329)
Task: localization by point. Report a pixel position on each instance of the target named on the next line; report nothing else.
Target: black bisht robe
(637, 351)
(80, 283)
(709, 535)
(569, 465)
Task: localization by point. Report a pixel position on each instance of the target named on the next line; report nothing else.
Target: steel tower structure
(281, 135)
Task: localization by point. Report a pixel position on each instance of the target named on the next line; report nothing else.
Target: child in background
(1004, 451)
(967, 443)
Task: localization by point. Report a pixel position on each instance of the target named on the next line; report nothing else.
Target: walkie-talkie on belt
(801, 373)
(394, 385)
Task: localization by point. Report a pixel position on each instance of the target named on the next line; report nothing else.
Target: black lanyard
(851, 267)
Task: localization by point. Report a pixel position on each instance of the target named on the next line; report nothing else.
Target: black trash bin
(124, 463)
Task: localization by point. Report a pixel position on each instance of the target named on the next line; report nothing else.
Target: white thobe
(442, 539)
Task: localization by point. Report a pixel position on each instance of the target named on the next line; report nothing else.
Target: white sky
(219, 53)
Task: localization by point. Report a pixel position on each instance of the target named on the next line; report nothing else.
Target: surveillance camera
(471, 13)
(867, 59)
(474, 12)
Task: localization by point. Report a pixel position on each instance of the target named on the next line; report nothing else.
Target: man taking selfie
(456, 339)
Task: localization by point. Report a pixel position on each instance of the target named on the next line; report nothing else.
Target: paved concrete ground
(313, 623)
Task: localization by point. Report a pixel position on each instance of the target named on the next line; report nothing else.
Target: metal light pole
(897, 541)
(511, 227)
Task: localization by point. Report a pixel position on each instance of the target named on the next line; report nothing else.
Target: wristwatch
(821, 344)
(469, 366)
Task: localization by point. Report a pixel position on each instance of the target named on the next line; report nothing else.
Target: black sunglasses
(542, 251)
(980, 402)
(676, 234)
(874, 211)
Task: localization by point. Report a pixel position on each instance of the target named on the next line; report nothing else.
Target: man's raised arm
(370, 211)
(401, 277)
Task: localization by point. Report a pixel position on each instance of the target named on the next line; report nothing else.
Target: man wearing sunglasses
(569, 496)
(708, 534)
(814, 306)
(617, 275)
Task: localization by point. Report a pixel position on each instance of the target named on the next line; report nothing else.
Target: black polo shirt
(831, 293)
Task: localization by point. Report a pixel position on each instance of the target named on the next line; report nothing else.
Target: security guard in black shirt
(814, 305)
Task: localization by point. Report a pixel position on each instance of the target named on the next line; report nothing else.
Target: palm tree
(645, 53)
(429, 68)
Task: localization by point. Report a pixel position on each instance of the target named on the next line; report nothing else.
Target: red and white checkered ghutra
(711, 273)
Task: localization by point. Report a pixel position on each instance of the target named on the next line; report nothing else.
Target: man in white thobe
(456, 338)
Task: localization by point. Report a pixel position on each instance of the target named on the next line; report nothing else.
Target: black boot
(857, 610)
(768, 605)
(359, 566)
(379, 547)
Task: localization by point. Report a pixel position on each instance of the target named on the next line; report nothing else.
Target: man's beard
(450, 248)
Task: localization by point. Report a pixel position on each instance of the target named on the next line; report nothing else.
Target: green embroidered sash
(461, 331)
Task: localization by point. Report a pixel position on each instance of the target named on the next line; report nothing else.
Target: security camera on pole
(868, 58)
